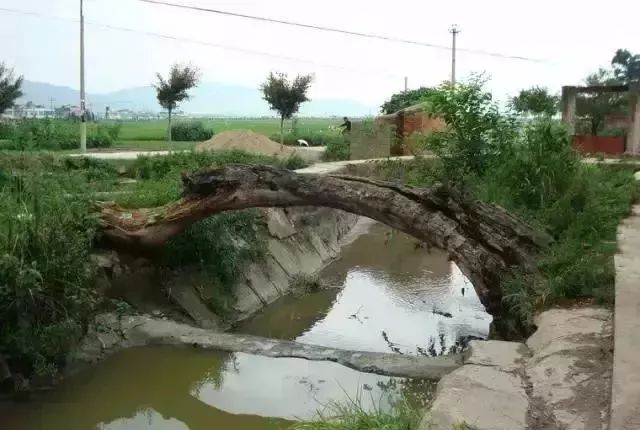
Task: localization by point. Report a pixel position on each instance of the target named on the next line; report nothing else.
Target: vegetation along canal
(394, 296)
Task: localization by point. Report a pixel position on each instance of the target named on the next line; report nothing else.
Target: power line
(205, 43)
(341, 31)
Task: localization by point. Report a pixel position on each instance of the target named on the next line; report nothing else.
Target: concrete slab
(506, 356)
(625, 391)
(570, 371)
(483, 397)
(565, 329)
(183, 294)
(285, 255)
(260, 283)
(247, 302)
(278, 223)
(276, 274)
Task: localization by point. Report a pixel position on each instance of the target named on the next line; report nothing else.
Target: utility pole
(83, 113)
(406, 83)
(454, 32)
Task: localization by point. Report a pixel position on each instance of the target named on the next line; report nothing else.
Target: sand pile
(245, 140)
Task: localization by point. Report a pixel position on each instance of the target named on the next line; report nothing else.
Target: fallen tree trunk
(484, 240)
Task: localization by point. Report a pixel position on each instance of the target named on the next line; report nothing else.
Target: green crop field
(156, 129)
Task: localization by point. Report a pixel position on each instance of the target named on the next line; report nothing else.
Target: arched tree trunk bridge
(484, 240)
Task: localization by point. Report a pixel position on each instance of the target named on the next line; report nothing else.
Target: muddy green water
(394, 296)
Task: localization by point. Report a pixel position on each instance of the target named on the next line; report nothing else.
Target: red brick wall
(406, 124)
(612, 145)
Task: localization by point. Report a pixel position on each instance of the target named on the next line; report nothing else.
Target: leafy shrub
(476, 134)
(536, 169)
(6, 130)
(293, 163)
(100, 139)
(156, 167)
(113, 130)
(219, 245)
(532, 171)
(337, 149)
(48, 134)
(46, 281)
(192, 131)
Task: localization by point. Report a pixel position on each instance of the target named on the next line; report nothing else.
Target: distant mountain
(208, 98)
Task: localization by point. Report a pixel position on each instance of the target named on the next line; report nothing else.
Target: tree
(10, 88)
(405, 99)
(596, 107)
(626, 66)
(285, 97)
(175, 88)
(487, 242)
(535, 101)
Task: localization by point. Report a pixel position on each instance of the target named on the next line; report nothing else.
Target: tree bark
(484, 240)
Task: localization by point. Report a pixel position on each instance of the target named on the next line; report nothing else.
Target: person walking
(346, 126)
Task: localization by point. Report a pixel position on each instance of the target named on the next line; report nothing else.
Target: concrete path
(312, 153)
(112, 332)
(625, 396)
(336, 166)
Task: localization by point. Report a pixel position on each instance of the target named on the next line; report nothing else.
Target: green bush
(161, 174)
(219, 245)
(46, 279)
(49, 134)
(6, 130)
(337, 149)
(535, 170)
(532, 171)
(157, 167)
(192, 131)
(477, 134)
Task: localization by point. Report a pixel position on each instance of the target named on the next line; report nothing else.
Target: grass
(351, 416)
(47, 232)
(582, 218)
(155, 130)
(149, 145)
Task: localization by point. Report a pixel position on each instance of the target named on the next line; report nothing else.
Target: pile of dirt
(245, 140)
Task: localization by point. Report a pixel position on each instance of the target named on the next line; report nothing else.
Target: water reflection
(395, 296)
(173, 389)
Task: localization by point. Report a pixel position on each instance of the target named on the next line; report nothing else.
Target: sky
(570, 37)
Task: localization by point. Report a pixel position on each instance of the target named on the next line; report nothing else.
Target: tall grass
(46, 279)
(352, 416)
(47, 229)
(532, 171)
(156, 129)
(52, 135)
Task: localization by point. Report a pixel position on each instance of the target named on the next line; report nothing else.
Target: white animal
(303, 142)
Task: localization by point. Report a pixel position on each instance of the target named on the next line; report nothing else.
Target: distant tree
(405, 99)
(175, 88)
(285, 97)
(535, 101)
(626, 66)
(596, 107)
(10, 88)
